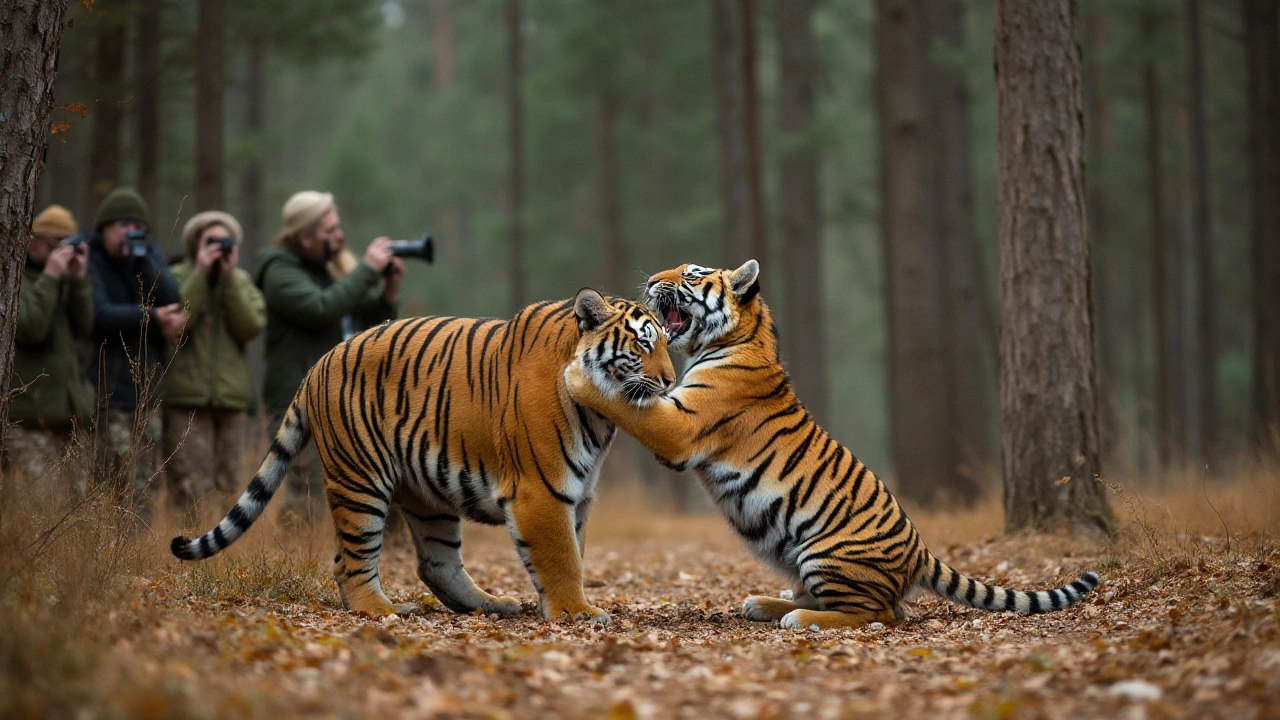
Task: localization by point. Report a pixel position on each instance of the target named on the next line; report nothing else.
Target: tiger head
(700, 305)
(622, 348)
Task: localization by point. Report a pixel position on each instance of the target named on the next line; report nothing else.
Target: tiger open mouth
(674, 320)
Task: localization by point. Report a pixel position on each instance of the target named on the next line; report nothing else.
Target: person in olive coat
(55, 317)
(306, 306)
(208, 388)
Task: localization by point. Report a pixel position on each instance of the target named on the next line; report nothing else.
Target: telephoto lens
(421, 248)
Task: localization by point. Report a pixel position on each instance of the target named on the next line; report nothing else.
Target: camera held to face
(135, 245)
(224, 243)
(74, 242)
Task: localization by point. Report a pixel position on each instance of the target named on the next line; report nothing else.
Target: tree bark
(210, 185)
(515, 181)
(733, 63)
(799, 195)
(1201, 229)
(30, 35)
(147, 101)
(1049, 422)
(919, 380)
(967, 311)
(106, 116)
(452, 250)
(1262, 62)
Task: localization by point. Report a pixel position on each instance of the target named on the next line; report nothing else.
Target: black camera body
(421, 248)
(75, 241)
(136, 245)
(225, 243)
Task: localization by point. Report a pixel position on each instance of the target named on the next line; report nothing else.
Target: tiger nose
(667, 382)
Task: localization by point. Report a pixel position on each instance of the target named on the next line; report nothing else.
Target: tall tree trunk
(1202, 229)
(251, 181)
(30, 35)
(800, 207)
(967, 311)
(920, 431)
(106, 115)
(1168, 429)
(515, 181)
(737, 108)
(210, 191)
(1262, 62)
(452, 250)
(1049, 422)
(147, 101)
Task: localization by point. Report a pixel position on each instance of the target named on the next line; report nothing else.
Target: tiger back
(451, 418)
(803, 503)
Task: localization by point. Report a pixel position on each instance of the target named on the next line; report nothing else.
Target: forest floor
(1186, 622)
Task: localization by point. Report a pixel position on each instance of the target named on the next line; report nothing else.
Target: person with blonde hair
(208, 388)
(306, 304)
(55, 318)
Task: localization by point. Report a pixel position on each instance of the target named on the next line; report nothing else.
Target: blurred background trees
(851, 147)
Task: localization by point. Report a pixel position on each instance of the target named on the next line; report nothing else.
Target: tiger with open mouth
(802, 502)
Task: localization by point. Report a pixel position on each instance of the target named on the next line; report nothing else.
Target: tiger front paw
(502, 605)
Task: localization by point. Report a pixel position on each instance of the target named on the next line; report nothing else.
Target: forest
(874, 158)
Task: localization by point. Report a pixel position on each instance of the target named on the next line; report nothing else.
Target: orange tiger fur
(803, 503)
(453, 417)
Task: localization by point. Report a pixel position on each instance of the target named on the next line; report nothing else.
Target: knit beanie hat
(200, 222)
(54, 221)
(302, 210)
(122, 204)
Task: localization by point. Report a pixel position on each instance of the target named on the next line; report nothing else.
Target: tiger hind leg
(358, 524)
(763, 608)
(824, 619)
(438, 541)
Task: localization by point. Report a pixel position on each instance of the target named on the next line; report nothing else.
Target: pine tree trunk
(737, 130)
(1262, 62)
(751, 131)
(451, 251)
(1049, 423)
(1202, 241)
(515, 182)
(804, 335)
(106, 115)
(30, 35)
(147, 101)
(210, 190)
(919, 379)
(251, 181)
(967, 310)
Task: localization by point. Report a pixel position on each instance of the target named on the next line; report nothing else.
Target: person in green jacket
(306, 306)
(208, 388)
(55, 318)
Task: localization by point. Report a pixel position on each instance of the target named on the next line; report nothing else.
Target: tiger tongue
(673, 317)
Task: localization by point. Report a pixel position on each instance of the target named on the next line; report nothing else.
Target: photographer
(208, 387)
(55, 312)
(305, 307)
(137, 315)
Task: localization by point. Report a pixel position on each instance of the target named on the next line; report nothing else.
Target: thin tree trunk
(106, 114)
(967, 312)
(515, 181)
(30, 35)
(919, 379)
(147, 101)
(1262, 62)
(452, 250)
(801, 209)
(1048, 385)
(1167, 428)
(210, 192)
(251, 180)
(1202, 239)
(615, 248)
(751, 131)
(727, 65)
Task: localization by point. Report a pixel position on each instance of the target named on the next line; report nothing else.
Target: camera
(136, 245)
(225, 243)
(75, 241)
(420, 248)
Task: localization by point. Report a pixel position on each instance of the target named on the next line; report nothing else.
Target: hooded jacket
(210, 368)
(305, 308)
(55, 317)
(120, 286)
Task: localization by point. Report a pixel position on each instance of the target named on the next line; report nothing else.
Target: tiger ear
(744, 278)
(591, 308)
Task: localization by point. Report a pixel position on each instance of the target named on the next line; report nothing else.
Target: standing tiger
(803, 503)
(453, 417)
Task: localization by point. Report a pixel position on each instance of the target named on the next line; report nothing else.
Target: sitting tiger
(451, 417)
(803, 503)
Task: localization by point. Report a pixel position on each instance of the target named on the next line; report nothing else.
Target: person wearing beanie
(208, 387)
(55, 317)
(137, 314)
(306, 306)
